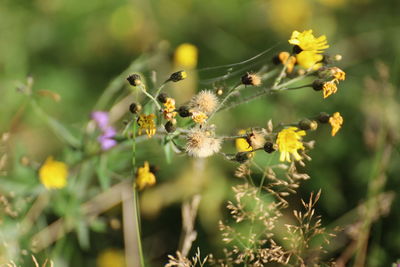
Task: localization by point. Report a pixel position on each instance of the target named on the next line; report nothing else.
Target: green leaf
(83, 233)
(168, 152)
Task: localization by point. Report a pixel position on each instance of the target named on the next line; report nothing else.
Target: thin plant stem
(151, 97)
(135, 199)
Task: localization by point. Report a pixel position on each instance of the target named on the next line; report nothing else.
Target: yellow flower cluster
(53, 174)
(169, 110)
(144, 177)
(146, 123)
(289, 141)
(199, 117)
(330, 87)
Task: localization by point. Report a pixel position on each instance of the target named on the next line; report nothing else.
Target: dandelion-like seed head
(144, 177)
(53, 174)
(289, 142)
(202, 143)
(205, 101)
(336, 121)
(306, 41)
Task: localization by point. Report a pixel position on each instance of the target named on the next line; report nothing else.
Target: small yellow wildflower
(144, 177)
(199, 117)
(309, 59)
(329, 88)
(111, 257)
(241, 143)
(286, 59)
(146, 122)
(169, 110)
(53, 174)
(336, 121)
(186, 56)
(289, 141)
(338, 74)
(306, 41)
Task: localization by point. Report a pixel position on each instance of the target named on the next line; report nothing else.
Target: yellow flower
(289, 141)
(241, 143)
(338, 74)
(329, 88)
(286, 59)
(53, 174)
(306, 41)
(309, 59)
(111, 257)
(144, 177)
(146, 122)
(199, 117)
(169, 110)
(186, 56)
(336, 121)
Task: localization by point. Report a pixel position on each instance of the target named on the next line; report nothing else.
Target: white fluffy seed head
(202, 143)
(206, 101)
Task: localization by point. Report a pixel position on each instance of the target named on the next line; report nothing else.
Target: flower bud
(269, 147)
(184, 111)
(323, 117)
(318, 84)
(242, 157)
(135, 108)
(134, 79)
(162, 97)
(251, 79)
(307, 124)
(177, 76)
(170, 127)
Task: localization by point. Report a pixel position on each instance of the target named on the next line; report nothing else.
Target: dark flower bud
(177, 76)
(183, 111)
(242, 157)
(135, 108)
(162, 97)
(170, 127)
(154, 169)
(297, 49)
(323, 117)
(134, 80)
(307, 124)
(269, 147)
(251, 79)
(276, 60)
(318, 84)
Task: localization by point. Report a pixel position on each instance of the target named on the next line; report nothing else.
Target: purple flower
(106, 139)
(101, 118)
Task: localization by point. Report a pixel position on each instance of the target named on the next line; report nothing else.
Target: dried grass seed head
(202, 143)
(205, 101)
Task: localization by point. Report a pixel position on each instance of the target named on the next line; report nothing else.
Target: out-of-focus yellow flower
(333, 3)
(336, 121)
(146, 123)
(287, 14)
(289, 141)
(199, 117)
(286, 59)
(144, 177)
(329, 88)
(241, 143)
(309, 59)
(186, 56)
(111, 257)
(306, 41)
(53, 174)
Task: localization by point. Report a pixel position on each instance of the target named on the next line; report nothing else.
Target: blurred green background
(75, 48)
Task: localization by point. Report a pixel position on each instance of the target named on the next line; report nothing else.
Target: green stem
(135, 198)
